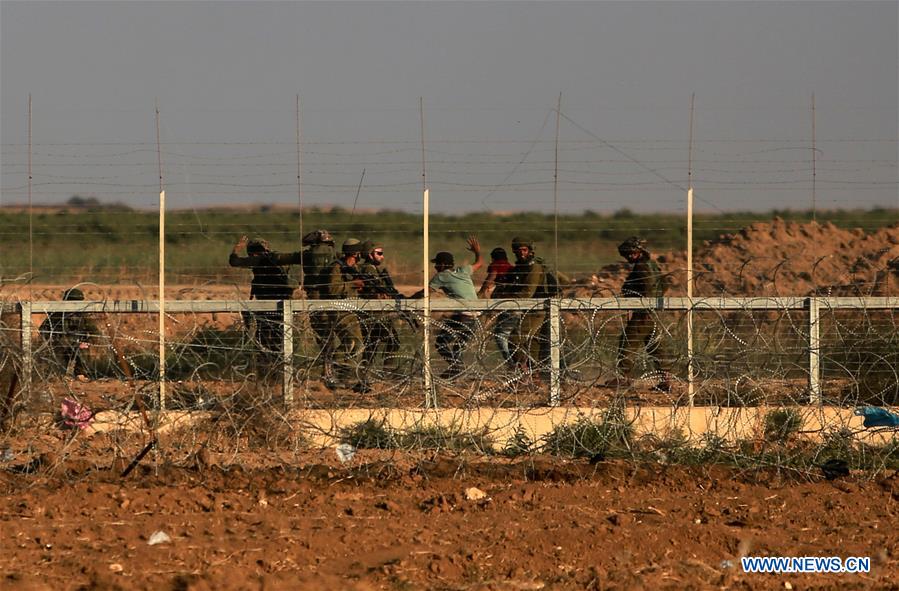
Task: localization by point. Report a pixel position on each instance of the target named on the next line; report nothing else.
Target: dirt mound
(777, 258)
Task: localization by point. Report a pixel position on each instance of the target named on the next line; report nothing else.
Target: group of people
(350, 340)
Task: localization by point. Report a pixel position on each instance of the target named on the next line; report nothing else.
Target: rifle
(373, 284)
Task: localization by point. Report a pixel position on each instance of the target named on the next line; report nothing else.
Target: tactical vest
(317, 261)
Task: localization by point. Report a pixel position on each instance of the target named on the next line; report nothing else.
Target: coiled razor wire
(227, 391)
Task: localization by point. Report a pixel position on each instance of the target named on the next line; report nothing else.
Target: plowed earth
(395, 522)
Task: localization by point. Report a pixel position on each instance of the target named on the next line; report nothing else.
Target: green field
(112, 244)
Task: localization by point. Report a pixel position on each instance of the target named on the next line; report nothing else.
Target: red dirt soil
(399, 522)
(778, 258)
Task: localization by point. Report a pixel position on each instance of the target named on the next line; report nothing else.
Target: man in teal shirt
(456, 283)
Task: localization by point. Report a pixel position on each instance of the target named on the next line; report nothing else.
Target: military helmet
(73, 294)
(257, 246)
(518, 242)
(318, 237)
(351, 246)
(632, 245)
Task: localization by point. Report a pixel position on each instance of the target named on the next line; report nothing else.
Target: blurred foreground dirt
(394, 521)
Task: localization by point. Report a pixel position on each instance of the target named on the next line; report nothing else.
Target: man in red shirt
(498, 267)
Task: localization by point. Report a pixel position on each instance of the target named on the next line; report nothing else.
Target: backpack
(550, 287)
(317, 261)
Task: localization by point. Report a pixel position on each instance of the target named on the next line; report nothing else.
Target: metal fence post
(814, 352)
(287, 351)
(25, 339)
(555, 350)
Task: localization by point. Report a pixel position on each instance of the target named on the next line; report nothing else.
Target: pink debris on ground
(75, 414)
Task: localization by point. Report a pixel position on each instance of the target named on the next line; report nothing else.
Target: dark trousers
(640, 332)
(66, 354)
(454, 336)
(321, 323)
(269, 335)
(379, 333)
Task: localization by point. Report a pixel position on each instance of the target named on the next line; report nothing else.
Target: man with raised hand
(270, 282)
(456, 283)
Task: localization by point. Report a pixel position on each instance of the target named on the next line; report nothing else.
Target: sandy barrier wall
(322, 426)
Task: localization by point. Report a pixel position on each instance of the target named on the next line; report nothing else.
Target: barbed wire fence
(785, 376)
(754, 362)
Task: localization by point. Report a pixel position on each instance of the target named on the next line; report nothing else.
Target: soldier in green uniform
(527, 279)
(346, 334)
(69, 335)
(378, 328)
(641, 331)
(319, 255)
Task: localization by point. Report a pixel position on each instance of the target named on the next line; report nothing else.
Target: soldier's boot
(361, 387)
(328, 378)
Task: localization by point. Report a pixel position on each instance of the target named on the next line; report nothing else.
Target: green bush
(370, 434)
(610, 436)
(519, 444)
(782, 424)
(446, 438)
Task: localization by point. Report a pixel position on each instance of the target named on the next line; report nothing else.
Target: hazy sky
(226, 76)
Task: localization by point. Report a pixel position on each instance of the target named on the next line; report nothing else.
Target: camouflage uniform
(64, 332)
(526, 280)
(318, 258)
(378, 328)
(345, 339)
(641, 331)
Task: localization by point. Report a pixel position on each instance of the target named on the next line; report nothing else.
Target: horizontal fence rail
(554, 307)
(445, 305)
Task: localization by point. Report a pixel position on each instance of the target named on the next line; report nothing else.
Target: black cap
(444, 258)
(256, 246)
(499, 254)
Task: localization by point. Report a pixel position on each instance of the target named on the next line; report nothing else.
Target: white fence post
(287, 351)
(814, 352)
(555, 350)
(27, 355)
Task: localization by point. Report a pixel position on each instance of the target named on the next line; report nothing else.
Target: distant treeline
(112, 243)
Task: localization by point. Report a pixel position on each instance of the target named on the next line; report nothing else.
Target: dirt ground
(389, 520)
(400, 522)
